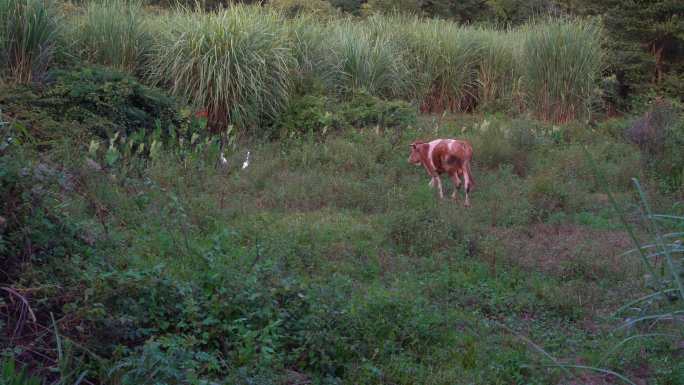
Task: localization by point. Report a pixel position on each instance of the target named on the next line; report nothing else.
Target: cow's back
(449, 155)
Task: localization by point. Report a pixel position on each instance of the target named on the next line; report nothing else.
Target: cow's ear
(413, 145)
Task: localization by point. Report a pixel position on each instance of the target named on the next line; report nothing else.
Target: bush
(659, 133)
(513, 144)
(308, 115)
(107, 101)
(33, 231)
(28, 30)
(547, 195)
(364, 110)
(318, 115)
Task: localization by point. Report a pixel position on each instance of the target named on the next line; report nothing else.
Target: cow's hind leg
(438, 182)
(457, 184)
(468, 180)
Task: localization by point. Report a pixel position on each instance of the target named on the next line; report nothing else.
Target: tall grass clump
(362, 60)
(235, 63)
(498, 76)
(444, 64)
(308, 43)
(27, 38)
(112, 33)
(560, 62)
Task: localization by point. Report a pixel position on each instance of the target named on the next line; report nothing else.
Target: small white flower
(222, 158)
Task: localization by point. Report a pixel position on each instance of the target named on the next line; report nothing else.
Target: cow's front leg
(457, 185)
(439, 186)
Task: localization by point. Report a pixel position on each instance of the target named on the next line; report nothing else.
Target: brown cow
(445, 156)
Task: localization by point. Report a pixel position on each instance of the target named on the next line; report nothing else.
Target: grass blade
(660, 242)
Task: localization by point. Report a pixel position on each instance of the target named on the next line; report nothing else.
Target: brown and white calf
(445, 156)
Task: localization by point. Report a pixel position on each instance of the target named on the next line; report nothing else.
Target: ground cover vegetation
(136, 249)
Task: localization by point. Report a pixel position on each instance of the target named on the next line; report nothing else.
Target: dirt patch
(567, 250)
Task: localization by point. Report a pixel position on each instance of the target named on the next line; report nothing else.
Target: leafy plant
(109, 101)
(364, 110)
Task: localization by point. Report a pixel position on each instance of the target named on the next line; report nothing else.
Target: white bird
(246, 163)
(223, 160)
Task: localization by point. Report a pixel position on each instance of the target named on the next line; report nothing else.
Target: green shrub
(108, 101)
(351, 6)
(497, 144)
(492, 146)
(112, 33)
(33, 231)
(310, 114)
(547, 195)
(660, 136)
(28, 30)
(318, 115)
(364, 110)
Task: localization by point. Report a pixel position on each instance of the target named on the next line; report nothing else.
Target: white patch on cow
(431, 148)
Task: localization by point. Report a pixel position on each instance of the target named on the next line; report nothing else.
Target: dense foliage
(224, 197)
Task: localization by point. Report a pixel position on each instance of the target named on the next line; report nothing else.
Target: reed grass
(236, 63)
(444, 63)
(561, 62)
(112, 33)
(28, 29)
(241, 64)
(498, 75)
(360, 59)
(307, 38)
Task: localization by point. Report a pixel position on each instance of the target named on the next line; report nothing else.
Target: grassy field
(332, 260)
(132, 255)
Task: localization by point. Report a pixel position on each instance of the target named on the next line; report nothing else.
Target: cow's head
(415, 157)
